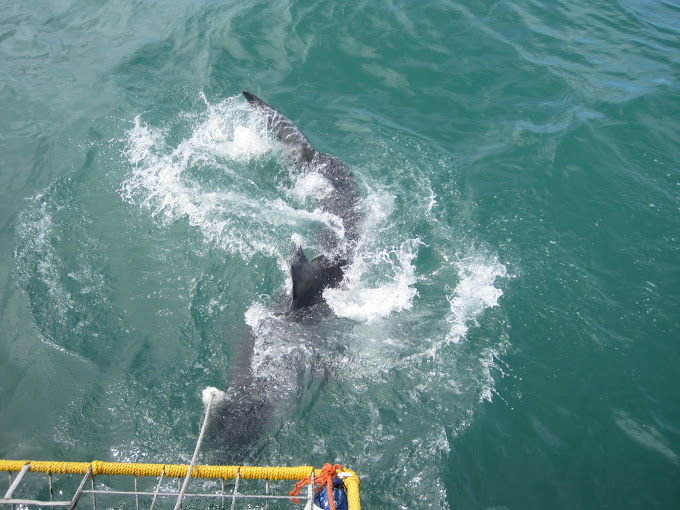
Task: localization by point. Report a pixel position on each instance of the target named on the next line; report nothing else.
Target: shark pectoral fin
(284, 129)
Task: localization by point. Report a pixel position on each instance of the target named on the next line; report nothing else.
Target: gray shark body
(287, 355)
(311, 277)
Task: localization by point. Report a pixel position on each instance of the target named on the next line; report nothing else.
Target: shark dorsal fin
(311, 277)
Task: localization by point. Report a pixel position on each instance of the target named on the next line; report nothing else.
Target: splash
(400, 323)
(36, 254)
(377, 284)
(474, 293)
(310, 186)
(209, 180)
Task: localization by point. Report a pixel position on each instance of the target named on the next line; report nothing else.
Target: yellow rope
(171, 470)
(352, 485)
(180, 471)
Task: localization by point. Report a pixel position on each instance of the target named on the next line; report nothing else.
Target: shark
(289, 354)
(311, 277)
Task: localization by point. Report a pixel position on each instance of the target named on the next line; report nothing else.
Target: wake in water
(226, 179)
(400, 354)
(397, 328)
(241, 414)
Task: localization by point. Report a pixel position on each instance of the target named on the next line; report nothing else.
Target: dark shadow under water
(289, 357)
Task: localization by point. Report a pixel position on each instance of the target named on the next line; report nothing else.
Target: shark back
(311, 277)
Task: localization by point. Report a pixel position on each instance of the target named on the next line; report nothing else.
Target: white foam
(367, 297)
(474, 293)
(256, 314)
(489, 361)
(380, 280)
(311, 186)
(377, 208)
(167, 180)
(37, 256)
(212, 394)
(240, 215)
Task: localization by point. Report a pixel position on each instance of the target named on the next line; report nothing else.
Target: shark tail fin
(284, 129)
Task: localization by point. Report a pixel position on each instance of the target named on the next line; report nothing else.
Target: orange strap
(328, 472)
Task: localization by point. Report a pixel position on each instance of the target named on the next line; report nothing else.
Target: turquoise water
(508, 331)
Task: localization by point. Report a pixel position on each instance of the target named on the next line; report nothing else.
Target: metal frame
(233, 495)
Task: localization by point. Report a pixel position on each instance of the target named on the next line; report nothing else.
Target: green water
(508, 332)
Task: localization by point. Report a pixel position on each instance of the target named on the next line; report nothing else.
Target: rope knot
(325, 479)
(96, 467)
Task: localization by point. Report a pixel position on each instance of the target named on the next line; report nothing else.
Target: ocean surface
(507, 335)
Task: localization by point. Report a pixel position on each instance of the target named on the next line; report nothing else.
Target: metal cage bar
(263, 497)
